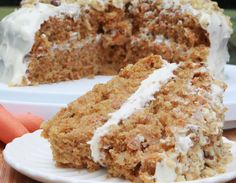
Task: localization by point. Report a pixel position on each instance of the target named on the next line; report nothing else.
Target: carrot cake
(47, 41)
(154, 122)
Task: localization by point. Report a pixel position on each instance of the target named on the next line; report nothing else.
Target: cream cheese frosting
(134, 103)
(165, 171)
(17, 37)
(183, 144)
(96, 4)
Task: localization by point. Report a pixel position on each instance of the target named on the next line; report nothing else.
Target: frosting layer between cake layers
(134, 103)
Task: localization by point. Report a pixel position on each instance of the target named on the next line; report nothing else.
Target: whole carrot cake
(154, 122)
(47, 41)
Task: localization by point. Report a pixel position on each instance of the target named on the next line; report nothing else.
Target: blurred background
(7, 6)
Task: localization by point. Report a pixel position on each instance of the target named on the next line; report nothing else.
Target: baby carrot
(30, 121)
(10, 127)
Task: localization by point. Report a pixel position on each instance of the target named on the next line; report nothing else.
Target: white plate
(46, 100)
(31, 155)
(57, 93)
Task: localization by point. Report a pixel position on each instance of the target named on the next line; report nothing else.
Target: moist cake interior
(103, 42)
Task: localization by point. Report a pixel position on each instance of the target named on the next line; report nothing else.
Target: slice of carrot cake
(154, 122)
(50, 41)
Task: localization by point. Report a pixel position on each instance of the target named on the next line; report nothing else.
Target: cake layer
(153, 118)
(91, 111)
(70, 41)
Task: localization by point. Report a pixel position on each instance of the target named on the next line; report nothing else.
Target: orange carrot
(30, 121)
(10, 127)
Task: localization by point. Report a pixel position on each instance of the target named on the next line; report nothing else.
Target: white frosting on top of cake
(97, 4)
(219, 29)
(137, 101)
(17, 37)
